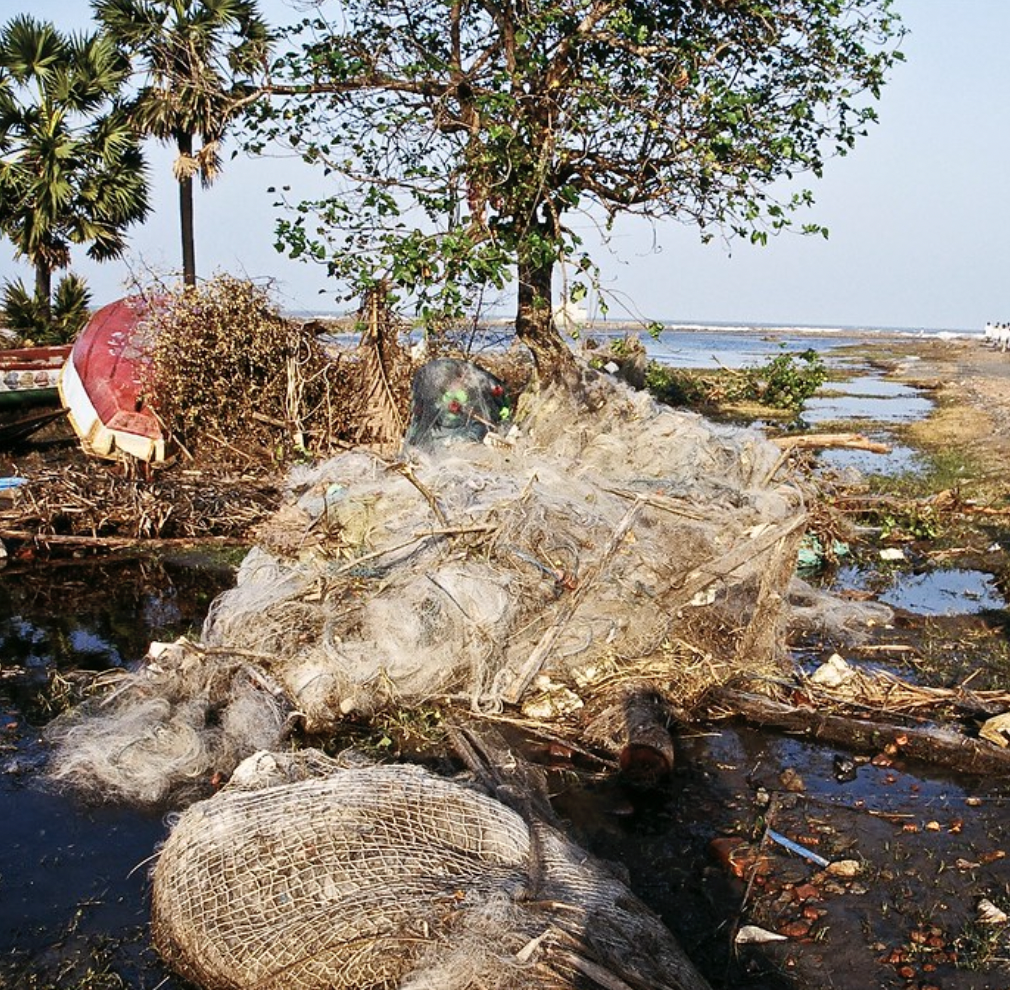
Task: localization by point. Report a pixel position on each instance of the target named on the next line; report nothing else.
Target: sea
(699, 345)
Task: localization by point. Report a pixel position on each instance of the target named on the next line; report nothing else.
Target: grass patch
(982, 945)
(939, 470)
(952, 650)
(392, 734)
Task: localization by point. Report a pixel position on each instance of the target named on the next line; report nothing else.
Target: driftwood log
(632, 723)
(825, 441)
(940, 745)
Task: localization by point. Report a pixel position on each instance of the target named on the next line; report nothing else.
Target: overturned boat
(102, 383)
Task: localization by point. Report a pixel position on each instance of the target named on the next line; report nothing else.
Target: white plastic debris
(795, 847)
(553, 700)
(704, 597)
(988, 914)
(833, 673)
(892, 554)
(751, 934)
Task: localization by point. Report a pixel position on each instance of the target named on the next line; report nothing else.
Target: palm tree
(197, 57)
(71, 170)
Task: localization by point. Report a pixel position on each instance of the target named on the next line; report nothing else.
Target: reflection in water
(72, 892)
(103, 613)
(950, 591)
(828, 408)
(900, 460)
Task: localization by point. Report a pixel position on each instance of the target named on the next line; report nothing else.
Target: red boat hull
(102, 384)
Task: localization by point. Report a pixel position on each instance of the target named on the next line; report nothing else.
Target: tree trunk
(535, 324)
(185, 142)
(44, 289)
(633, 724)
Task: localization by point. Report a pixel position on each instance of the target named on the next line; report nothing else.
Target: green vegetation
(71, 171)
(197, 59)
(461, 138)
(38, 324)
(784, 382)
(983, 943)
(939, 470)
(913, 521)
(393, 734)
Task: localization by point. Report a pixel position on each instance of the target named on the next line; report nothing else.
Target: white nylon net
(465, 572)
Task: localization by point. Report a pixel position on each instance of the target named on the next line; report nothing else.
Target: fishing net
(454, 401)
(390, 876)
(164, 732)
(603, 531)
(610, 538)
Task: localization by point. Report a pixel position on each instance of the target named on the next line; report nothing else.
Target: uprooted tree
(461, 134)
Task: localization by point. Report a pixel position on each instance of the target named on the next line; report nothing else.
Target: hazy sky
(919, 213)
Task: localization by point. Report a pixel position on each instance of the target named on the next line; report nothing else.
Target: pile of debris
(607, 539)
(82, 503)
(609, 553)
(600, 536)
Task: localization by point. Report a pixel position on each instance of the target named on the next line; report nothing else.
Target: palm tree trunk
(185, 142)
(44, 288)
(535, 323)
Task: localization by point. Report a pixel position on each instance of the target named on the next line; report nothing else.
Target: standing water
(73, 879)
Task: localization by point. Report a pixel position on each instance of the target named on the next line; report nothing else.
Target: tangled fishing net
(164, 732)
(301, 875)
(609, 538)
(466, 570)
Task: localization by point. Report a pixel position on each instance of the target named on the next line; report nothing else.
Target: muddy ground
(972, 385)
(925, 900)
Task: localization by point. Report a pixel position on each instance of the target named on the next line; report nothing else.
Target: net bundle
(304, 876)
(454, 400)
(607, 529)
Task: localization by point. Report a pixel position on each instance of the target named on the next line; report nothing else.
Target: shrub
(35, 323)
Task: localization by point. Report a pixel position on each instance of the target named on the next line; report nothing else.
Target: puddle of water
(72, 879)
(900, 460)
(905, 409)
(876, 387)
(909, 831)
(938, 592)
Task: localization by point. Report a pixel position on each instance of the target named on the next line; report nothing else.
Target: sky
(918, 213)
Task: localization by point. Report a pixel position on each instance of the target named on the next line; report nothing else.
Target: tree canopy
(196, 60)
(71, 171)
(461, 134)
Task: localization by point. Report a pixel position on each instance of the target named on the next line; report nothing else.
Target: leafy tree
(465, 132)
(71, 171)
(197, 57)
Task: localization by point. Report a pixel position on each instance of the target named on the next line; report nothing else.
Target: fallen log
(940, 745)
(825, 441)
(633, 725)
